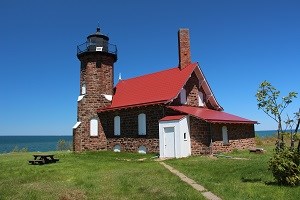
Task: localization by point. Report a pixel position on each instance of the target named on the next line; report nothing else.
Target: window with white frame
(94, 127)
(142, 124)
(183, 96)
(117, 125)
(225, 135)
(200, 99)
(83, 89)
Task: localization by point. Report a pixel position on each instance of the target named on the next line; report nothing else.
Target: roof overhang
(211, 116)
(110, 108)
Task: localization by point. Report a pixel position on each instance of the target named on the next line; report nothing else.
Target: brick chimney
(184, 48)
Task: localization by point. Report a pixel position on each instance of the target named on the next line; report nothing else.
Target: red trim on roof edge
(172, 118)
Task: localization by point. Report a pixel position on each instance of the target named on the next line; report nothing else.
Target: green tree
(285, 163)
(268, 101)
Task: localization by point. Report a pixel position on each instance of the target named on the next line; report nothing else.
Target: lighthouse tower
(97, 58)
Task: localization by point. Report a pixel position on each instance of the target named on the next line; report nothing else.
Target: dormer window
(200, 99)
(183, 96)
(83, 89)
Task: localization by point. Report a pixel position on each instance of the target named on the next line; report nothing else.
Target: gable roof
(212, 116)
(156, 88)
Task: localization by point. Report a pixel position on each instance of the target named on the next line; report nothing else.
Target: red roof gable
(171, 118)
(211, 115)
(159, 87)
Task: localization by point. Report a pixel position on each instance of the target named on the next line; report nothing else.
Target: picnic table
(43, 159)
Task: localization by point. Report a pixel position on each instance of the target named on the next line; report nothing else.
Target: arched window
(142, 124)
(94, 127)
(225, 135)
(200, 99)
(83, 89)
(117, 124)
(142, 150)
(183, 96)
(117, 148)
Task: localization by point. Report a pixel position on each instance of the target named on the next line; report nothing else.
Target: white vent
(76, 125)
(99, 48)
(107, 97)
(80, 97)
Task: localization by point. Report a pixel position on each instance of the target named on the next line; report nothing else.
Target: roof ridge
(153, 73)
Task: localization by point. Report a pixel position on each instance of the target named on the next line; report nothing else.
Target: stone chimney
(184, 48)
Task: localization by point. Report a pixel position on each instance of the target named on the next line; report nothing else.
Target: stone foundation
(132, 144)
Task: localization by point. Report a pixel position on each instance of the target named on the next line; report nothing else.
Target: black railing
(90, 47)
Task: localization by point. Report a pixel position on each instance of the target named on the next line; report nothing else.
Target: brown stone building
(172, 112)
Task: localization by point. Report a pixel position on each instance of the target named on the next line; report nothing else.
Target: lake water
(32, 143)
(267, 133)
(49, 143)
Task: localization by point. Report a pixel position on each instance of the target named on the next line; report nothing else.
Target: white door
(169, 140)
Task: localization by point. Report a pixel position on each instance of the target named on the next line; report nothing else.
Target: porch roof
(212, 116)
(172, 118)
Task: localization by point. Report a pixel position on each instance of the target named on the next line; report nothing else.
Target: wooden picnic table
(43, 159)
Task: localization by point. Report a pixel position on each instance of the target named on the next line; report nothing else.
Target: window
(183, 96)
(225, 135)
(184, 136)
(117, 129)
(94, 127)
(142, 150)
(142, 124)
(83, 89)
(200, 99)
(117, 148)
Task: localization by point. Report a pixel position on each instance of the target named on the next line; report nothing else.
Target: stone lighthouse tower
(97, 58)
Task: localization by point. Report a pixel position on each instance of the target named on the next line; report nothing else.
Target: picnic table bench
(256, 150)
(43, 159)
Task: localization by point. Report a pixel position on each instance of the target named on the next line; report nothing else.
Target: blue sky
(238, 44)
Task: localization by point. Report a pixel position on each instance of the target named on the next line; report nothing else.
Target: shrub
(15, 149)
(285, 166)
(62, 145)
(258, 140)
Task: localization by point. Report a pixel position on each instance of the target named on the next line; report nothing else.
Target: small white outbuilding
(174, 137)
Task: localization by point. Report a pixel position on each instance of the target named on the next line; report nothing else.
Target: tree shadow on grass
(251, 180)
(257, 180)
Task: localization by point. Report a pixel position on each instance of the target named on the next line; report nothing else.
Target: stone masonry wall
(129, 140)
(241, 136)
(200, 136)
(96, 72)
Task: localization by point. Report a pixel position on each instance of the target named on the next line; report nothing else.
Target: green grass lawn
(108, 175)
(99, 175)
(247, 178)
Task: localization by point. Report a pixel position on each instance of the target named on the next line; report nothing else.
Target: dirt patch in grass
(73, 195)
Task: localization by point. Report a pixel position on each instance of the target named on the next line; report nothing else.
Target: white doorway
(174, 137)
(169, 140)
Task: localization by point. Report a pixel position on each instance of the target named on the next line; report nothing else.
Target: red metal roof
(159, 87)
(211, 115)
(172, 118)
